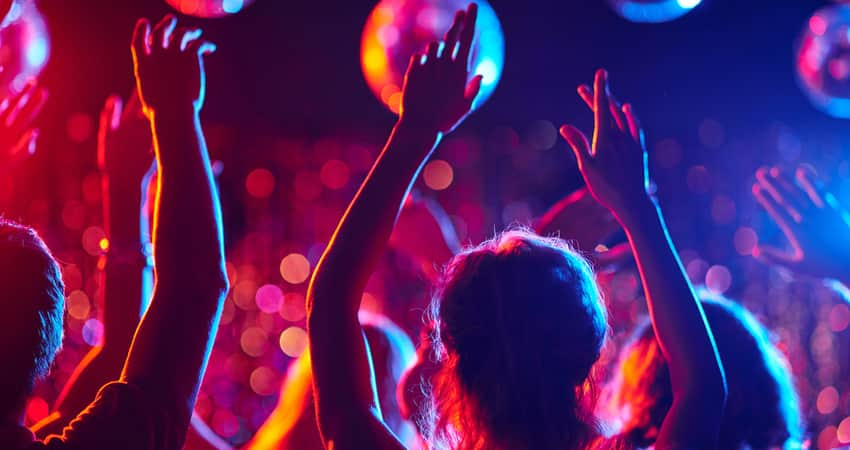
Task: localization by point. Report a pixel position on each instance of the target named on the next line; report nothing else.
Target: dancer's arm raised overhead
(124, 158)
(816, 225)
(172, 344)
(436, 98)
(615, 170)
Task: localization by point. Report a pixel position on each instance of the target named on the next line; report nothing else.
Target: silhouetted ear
(5, 6)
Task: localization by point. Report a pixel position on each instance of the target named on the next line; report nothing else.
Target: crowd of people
(509, 348)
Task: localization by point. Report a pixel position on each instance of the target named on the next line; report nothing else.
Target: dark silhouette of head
(292, 425)
(32, 301)
(518, 323)
(762, 408)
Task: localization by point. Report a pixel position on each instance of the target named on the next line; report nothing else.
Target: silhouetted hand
(582, 221)
(436, 93)
(425, 232)
(615, 166)
(169, 65)
(816, 226)
(125, 144)
(17, 139)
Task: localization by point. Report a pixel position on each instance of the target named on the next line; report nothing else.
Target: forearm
(187, 225)
(173, 341)
(362, 235)
(340, 361)
(677, 317)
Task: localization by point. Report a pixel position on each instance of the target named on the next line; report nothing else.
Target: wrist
(417, 128)
(178, 114)
(638, 213)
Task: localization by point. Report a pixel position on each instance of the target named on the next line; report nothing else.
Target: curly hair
(762, 408)
(518, 323)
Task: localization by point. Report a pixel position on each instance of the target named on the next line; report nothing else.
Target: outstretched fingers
(201, 47)
(779, 189)
(635, 128)
(453, 35)
(578, 143)
(468, 34)
(808, 179)
(164, 30)
(601, 107)
(775, 210)
(29, 108)
(141, 42)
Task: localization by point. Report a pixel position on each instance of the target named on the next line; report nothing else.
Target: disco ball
(24, 45)
(653, 11)
(209, 8)
(823, 60)
(396, 29)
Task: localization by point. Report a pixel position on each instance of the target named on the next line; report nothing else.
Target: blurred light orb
(823, 60)
(209, 8)
(396, 29)
(653, 11)
(24, 46)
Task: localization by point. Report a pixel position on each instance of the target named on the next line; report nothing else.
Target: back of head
(518, 325)
(32, 302)
(762, 408)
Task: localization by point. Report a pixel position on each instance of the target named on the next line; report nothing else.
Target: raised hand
(816, 226)
(17, 112)
(615, 171)
(169, 65)
(437, 92)
(581, 220)
(425, 232)
(125, 146)
(615, 166)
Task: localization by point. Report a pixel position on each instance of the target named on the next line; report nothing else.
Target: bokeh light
(293, 341)
(209, 8)
(396, 29)
(93, 332)
(269, 298)
(78, 305)
(295, 268)
(26, 45)
(260, 183)
(438, 175)
(823, 60)
(653, 11)
(827, 400)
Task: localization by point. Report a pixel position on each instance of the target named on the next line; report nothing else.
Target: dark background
(718, 82)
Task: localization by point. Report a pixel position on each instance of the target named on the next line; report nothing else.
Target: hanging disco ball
(209, 8)
(823, 60)
(396, 29)
(653, 11)
(24, 46)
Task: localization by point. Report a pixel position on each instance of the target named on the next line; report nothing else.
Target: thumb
(578, 143)
(473, 88)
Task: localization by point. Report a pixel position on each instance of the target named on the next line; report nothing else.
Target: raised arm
(615, 170)
(580, 219)
(172, 344)
(436, 98)
(124, 158)
(816, 225)
(424, 231)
